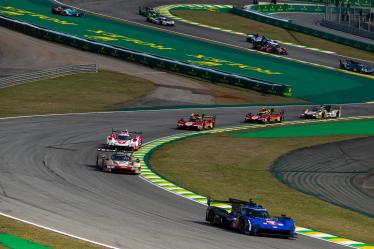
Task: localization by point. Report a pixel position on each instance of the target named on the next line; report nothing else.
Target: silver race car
(323, 111)
(117, 161)
(161, 20)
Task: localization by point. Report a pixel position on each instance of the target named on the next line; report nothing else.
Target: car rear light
(134, 140)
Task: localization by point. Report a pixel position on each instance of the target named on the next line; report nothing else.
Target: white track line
(58, 231)
(206, 39)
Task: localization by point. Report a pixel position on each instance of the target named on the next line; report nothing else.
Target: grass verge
(106, 91)
(86, 92)
(41, 236)
(221, 166)
(245, 25)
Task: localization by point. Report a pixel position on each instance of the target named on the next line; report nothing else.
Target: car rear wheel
(210, 217)
(242, 227)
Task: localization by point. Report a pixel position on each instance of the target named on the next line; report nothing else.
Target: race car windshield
(255, 213)
(120, 158)
(316, 109)
(194, 119)
(124, 137)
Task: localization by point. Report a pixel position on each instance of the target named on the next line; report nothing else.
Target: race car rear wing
(132, 132)
(115, 149)
(232, 201)
(213, 116)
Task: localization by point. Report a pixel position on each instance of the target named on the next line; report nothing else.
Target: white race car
(124, 140)
(323, 111)
(118, 161)
(161, 20)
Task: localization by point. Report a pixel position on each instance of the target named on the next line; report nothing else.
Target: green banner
(274, 8)
(362, 3)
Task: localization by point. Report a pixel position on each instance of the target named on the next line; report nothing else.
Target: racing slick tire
(242, 227)
(217, 220)
(210, 217)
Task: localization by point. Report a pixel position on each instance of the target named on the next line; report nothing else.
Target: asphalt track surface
(128, 10)
(48, 176)
(340, 173)
(314, 21)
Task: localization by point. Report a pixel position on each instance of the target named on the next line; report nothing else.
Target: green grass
(224, 166)
(86, 92)
(105, 91)
(41, 236)
(245, 25)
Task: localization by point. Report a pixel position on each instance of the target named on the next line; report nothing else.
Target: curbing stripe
(163, 183)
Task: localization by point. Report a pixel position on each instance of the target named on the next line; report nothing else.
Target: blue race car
(249, 218)
(63, 11)
(356, 67)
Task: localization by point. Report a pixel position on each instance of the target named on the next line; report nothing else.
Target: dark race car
(64, 11)
(356, 67)
(258, 38)
(249, 218)
(148, 11)
(273, 49)
(161, 20)
(265, 44)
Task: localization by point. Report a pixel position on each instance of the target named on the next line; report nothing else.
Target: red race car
(197, 122)
(265, 116)
(64, 11)
(273, 49)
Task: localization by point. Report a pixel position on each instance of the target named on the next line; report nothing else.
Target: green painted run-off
(362, 127)
(313, 83)
(14, 242)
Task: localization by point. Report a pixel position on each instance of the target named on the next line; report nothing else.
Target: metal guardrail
(47, 74)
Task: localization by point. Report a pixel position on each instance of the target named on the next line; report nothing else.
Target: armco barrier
(295, 27)
(147, 59)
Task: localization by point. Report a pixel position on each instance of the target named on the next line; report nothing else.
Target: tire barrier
(215, 76)
(282, 23)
